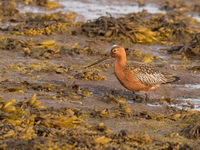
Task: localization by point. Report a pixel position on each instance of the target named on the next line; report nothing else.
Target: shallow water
(192, 86)
(89, 10)
(7, 24)
(34, 9)
(93, 9)
(183, 103)
(195, 16)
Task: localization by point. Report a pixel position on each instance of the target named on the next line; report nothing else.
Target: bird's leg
(137, 97)
(134, 96)
(146, 98)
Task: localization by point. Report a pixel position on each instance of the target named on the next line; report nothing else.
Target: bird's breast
(128, 80)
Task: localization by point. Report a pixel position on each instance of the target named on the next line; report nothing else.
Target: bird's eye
(114, 50)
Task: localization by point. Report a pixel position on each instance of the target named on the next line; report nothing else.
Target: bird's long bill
(104, 58)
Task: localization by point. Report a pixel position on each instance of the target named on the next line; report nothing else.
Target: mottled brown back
(149, 75)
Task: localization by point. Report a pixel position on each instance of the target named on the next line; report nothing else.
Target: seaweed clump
(191, 49)
(45, 49)
(9, 12)
(8, 43)
(192, 131)
(44, 24)
(34, 67)
(158, 28)
(120, 28)
(89, 75)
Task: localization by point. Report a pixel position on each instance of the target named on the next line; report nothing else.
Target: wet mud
(50, 100)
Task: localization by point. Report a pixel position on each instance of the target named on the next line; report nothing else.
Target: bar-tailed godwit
(136, 76)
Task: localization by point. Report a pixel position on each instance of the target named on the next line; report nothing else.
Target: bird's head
(117, 51)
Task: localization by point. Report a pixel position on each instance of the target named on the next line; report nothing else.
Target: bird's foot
(146, 98)
(140, 98)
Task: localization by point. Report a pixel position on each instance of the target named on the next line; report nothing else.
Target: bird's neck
(121, 61)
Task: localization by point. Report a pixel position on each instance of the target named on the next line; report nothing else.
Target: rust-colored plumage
(136, 76)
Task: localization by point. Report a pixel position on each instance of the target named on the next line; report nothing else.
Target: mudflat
(49, 100)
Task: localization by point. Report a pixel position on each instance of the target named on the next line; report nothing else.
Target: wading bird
(136, 76)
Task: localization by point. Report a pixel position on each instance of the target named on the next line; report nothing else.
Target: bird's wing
(146, 74)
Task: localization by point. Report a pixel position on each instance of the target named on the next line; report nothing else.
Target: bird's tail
(172, 78)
